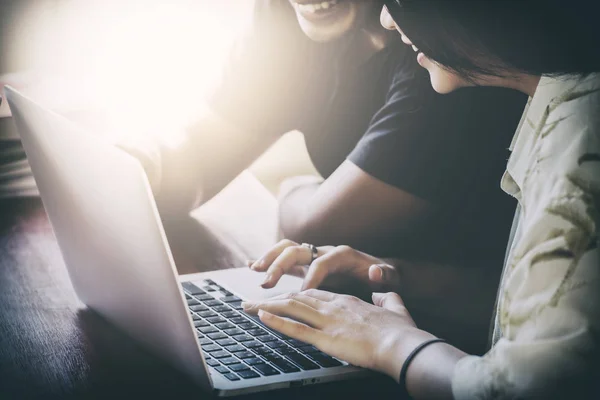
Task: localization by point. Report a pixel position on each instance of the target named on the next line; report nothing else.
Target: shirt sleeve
(438, 147)
(263, 81)
(549, 309)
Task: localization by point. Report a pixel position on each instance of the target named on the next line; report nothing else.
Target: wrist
(396, 352)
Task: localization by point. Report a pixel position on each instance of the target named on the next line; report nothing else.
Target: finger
(391, 301)
(311, 301)
(263, 263)
(340, 257)
(294, 329)
(289, 308)
(383, 276)
(290, 257)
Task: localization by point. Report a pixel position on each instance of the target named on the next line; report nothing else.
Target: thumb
(384, 276)
(391, 301)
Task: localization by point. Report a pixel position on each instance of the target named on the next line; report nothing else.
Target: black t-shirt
(383, 116)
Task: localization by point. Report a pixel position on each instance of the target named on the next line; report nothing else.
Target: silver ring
(314, 253)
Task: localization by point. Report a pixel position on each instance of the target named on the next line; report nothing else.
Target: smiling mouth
(316, 7)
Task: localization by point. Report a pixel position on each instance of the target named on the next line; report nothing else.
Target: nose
(386, 20)
(388, 23)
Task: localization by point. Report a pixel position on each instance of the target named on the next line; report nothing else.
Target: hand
(339, 266)
(147, 151)
(375, 336)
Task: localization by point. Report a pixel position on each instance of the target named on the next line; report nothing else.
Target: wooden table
(52, 346)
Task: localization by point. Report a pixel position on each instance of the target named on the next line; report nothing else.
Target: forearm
(293, 199)
(214, 152)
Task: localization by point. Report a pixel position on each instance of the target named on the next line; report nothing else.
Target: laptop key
(266, 369)
(248, 374)
(217, 335)
(235, 348)
(211, 347)
(230, 299)
(284, 365)
(238, 367)
(198, 307)
(195, 317)
(234, 331)
(212, 302)
(239, 321)
(236, 305)
(200, 323)
(266, 338)
(204, 297)
(243, 338)
(207, 314)
(226, 342)
(192, 302)
(229, 361)
(222, 370)
(229, 313)
(232, 377)
(262, 351)
(245, 354)
(253, 344)
(285, 350)
(246, 325)
(276, 344)
(256, 332)
(302, 361)
(253, 361)
(324, 360)
(191, 288)
(219, 354)
(221, 309)
(187, 296)
(296, 343)
(208, 329)
(308, 349)
(213, 363)
(204, 341)
(208, 282)
(199, 335)
(216, 320)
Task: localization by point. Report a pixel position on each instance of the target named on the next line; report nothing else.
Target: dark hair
(497, 37)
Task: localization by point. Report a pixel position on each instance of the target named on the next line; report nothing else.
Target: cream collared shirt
(548, 317)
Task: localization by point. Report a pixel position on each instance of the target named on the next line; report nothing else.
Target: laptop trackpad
(246, 282)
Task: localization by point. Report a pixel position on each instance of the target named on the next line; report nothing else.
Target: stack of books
(16, 179)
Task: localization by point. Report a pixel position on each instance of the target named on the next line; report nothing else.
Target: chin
(326, 25)
(444, 82)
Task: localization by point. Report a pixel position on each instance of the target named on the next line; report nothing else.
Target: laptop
(107, 226)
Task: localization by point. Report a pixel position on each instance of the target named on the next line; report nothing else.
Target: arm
(319, 214)
(215, 152)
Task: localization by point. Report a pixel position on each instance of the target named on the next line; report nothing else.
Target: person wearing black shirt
(407, 173)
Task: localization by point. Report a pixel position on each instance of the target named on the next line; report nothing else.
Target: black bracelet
(411, 356)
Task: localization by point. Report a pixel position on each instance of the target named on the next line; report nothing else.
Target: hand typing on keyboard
(339, 267)
(371, 336)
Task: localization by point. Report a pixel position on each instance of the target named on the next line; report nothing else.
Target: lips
(315, 7)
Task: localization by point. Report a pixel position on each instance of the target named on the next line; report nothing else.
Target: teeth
(314, 7)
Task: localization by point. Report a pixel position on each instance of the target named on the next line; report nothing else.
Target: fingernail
(246, 305)
(257, 264)
(267, 280)
(263, 314)
(249, 263)
(381, 272)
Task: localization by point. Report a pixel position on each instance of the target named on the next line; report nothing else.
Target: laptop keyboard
(239, 346)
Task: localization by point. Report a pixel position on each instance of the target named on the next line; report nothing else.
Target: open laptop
(106, 223)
